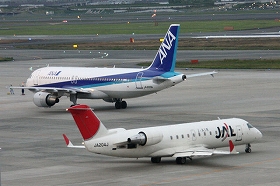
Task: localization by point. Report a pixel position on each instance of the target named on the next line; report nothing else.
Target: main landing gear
(155, 159)
(120, 104)
(179, 160)
(248, 148)
(73, 98)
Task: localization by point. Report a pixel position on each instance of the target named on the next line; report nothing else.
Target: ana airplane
(109, 84)
(180, 141)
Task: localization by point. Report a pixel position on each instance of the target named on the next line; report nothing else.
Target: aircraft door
(239, 133)
(193, 135)
(138, 82)
(36, 77)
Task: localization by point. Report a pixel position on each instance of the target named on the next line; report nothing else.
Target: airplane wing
(69, 143)
(53, 89)
(202, 74)
(202, 151)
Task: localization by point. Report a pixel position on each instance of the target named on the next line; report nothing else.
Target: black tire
(156, 159)
(123, 104)
(248, 150)
(118, 105)
(181, 160)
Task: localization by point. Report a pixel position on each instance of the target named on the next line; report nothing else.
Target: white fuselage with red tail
(180, 140)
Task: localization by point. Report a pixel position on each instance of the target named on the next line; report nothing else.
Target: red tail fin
(86, 120)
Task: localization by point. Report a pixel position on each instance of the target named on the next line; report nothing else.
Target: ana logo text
(54, 73)
(166, 45)
(224, 132)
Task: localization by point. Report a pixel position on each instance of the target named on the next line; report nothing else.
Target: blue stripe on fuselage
(109, 80)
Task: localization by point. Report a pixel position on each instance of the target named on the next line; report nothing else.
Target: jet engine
(43, 99)
(146, 138)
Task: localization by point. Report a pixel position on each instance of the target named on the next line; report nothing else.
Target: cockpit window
(249, 125)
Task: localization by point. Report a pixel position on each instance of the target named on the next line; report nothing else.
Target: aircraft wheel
(118, 105)
(248, 150)
(155, 159)
(123, 104)
(181, 160)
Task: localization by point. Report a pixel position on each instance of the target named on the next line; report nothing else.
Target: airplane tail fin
(87, 122)
(165, 58)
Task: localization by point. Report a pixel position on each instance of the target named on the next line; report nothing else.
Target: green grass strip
(2, 59)
(229, 64)
(90, 28)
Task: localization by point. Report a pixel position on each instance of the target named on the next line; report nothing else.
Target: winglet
(232, 148)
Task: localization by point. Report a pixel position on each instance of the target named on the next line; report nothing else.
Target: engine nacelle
(43, 99)
(146, 138)
(177, 79)
(184, 77)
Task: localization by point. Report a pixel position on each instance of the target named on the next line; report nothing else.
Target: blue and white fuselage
(109, 84)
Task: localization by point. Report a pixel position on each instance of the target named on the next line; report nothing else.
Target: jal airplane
(180, 141)
(110, 84)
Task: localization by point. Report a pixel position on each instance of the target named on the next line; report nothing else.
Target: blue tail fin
(165, 58)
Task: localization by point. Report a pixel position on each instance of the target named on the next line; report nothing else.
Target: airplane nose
(258, 134)
(28, 82)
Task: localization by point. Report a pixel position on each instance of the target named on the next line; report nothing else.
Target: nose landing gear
(248, 148)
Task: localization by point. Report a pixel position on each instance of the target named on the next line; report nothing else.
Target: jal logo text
(224, 132)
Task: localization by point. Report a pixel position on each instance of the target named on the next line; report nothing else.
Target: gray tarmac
(34, 153)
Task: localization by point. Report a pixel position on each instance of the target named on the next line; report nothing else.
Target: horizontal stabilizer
(69, 143)
(202, 74)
